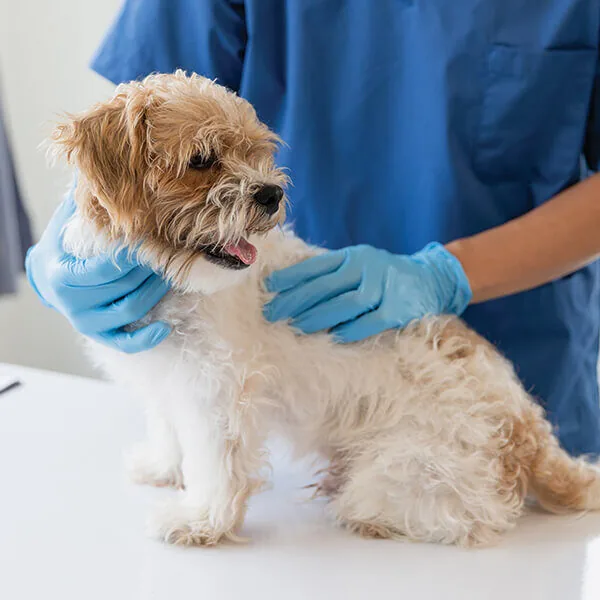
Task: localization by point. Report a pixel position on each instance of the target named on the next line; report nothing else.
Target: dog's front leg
(220, 470)
(157, 461)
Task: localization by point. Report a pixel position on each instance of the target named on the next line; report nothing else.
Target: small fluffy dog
(427, 432)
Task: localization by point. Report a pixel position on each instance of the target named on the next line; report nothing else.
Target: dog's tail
(561, 483)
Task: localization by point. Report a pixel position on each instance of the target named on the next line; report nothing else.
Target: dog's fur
(427, 432)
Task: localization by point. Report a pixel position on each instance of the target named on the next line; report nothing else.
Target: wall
(45, 47)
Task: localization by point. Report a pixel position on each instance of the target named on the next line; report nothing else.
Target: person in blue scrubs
(445, 151)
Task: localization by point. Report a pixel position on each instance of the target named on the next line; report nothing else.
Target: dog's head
(180, 169)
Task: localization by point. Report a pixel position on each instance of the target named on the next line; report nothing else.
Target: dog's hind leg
(388, 494)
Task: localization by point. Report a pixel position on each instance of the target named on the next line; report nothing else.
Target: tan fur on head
(133, 154)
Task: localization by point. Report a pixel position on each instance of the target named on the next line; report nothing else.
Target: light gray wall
(45, 48)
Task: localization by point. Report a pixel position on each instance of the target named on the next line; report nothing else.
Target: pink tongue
(244, 250)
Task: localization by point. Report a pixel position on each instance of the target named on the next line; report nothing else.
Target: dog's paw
(177, 523)
(145, 467)
(369, 530)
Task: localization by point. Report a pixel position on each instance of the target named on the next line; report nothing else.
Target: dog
(427, 432)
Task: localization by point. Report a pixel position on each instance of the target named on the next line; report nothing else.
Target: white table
(72, 527)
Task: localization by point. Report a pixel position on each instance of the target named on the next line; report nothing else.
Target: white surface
(45, 49)
(72, 528)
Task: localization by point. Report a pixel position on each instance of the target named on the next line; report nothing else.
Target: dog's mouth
(239, 255)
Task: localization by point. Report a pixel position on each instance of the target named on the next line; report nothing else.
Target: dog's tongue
(243, 250)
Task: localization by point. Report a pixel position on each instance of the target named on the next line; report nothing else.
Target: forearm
(549, 242)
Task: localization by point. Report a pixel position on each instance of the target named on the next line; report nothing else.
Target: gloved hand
(98, 296)
(360, 291)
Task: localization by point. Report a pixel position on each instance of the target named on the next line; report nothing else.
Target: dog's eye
(200, 161)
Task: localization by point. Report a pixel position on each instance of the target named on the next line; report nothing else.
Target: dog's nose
(269, 197)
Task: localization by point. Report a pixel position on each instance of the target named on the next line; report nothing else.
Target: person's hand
(360, 291)
(98, 295)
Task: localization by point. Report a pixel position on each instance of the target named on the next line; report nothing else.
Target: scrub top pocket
(533, 113)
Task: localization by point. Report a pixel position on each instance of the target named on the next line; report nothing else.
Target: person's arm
(360, 291)
(549, 242)
(207, 37)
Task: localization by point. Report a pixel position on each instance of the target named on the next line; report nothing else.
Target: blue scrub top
(416, 120)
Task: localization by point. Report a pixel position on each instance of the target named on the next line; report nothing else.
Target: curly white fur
(414, 433)
(428, 432)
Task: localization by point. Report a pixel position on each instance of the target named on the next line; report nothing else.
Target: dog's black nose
(269, 197)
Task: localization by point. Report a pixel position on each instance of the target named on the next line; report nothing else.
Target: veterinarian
(445, 150)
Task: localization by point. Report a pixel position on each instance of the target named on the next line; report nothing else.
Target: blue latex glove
(98, 296)
(360, 291)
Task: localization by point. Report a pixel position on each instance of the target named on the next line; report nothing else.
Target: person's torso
(408, 121)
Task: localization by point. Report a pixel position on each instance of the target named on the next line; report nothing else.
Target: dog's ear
(108, 145)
